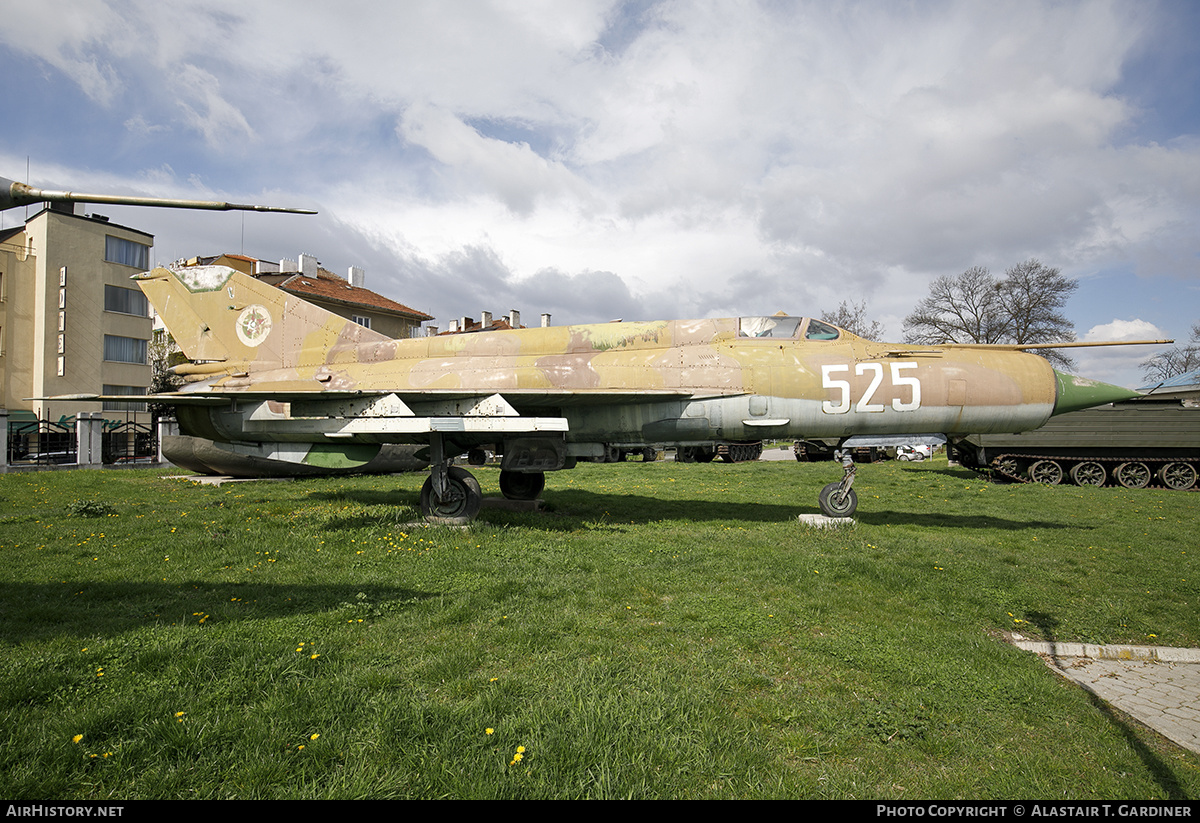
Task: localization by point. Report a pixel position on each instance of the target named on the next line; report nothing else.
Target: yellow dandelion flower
(77, 738)
(489, 731)
(313, 736)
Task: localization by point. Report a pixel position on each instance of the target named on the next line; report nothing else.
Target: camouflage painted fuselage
(298, 374)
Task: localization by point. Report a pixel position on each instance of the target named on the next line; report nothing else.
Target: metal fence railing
(52, 443)
(42, 443)
(129, 443)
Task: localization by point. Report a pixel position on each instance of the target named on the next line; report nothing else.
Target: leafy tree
(1174, 361)
(974, 307)
(852, 318)
(163, 353)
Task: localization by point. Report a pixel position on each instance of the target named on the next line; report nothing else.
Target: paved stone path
(1157, 685)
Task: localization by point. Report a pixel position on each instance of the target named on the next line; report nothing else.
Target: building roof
(328, 286)
(325, 286)
(1187, 382)
(473, 325)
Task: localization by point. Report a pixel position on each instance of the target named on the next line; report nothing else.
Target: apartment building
(71, 321)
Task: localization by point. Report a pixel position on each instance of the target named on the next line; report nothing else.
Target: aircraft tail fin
(219, 314)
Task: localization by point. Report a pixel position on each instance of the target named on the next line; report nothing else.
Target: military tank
(741, 452)
(1133, 444)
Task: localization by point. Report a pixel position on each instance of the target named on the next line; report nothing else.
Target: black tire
(461, 502)
(522, 485)
(836, 503)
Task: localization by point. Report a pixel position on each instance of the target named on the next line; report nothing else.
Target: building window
(365, 322)
(117, 405)
(126, 252)
(124, 349)
(125, 301)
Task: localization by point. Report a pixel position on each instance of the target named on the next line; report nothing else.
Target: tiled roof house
(342, 296)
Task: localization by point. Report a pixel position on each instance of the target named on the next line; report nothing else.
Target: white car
(915, 453)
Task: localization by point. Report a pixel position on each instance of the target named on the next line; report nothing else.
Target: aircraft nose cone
(1075, 393)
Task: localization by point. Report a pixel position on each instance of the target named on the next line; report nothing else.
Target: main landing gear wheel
(836, 502)
(522, 485)
(459, 505)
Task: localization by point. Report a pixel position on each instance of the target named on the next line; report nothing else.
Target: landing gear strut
(451, 494)
(838, 499)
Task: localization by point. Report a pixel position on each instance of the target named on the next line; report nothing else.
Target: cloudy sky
(598, 159)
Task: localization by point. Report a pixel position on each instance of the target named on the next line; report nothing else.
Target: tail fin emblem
(253, 325)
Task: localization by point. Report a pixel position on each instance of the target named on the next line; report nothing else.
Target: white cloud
(1124, 330)
(206, 110)
(514, 173)
(689, 157)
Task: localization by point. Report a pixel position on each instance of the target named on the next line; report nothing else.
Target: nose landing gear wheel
(835, 502)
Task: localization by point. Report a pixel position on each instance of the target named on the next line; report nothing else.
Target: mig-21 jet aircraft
(276, 377)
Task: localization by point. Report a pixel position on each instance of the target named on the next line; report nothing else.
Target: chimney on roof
(485, 319)
(356, 277)
(263, 267)
(514, 319)
(464, 323)
(288, 266)
(431, 331)
(308, 265)
(545, 320)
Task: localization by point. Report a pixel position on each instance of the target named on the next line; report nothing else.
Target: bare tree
(852, 317)
(1174, 361)
(962, 309)
(974, 307)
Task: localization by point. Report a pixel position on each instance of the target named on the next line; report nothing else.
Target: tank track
(1126, 472)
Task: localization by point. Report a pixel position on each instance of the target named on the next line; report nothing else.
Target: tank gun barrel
(13, 194)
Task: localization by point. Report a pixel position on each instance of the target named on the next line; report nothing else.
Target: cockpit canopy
(792, 328)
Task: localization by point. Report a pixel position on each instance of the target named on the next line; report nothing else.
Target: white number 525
(842, 404)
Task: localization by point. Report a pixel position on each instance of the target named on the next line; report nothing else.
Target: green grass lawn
(662, 631)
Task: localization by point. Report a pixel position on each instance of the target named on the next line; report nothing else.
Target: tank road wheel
(522, 485)
(1133, 475)
(1047, 472)
(837, 503)
(459, 505)
(649, 455)
(1088, 473)
(1008, 467)
(1177, 476)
